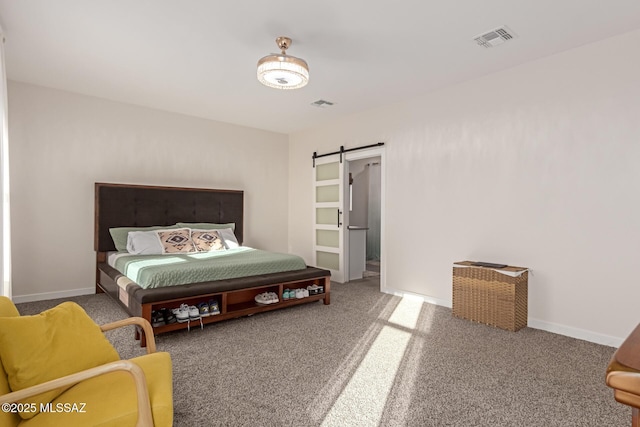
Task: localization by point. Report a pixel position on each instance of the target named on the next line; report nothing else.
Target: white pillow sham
(143, 243)
(228, 237)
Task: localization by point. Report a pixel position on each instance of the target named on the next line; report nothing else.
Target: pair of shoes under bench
(162, 317)
(186, 313)
(314, 289)
(213, 307)
(157, 319)
(203, 308)
(267, 298)
(301, 293)
(210, 308)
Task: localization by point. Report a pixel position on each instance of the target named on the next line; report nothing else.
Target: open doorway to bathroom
(364, 203)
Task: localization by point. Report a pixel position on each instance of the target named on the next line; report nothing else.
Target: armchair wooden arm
(145, 418)
(623, 374)
(140, 322)
(629, 382)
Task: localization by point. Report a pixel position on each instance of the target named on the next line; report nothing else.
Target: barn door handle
(339, 223)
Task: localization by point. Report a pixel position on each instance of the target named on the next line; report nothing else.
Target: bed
(123, 205)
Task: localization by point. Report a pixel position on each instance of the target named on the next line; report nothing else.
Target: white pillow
(229, 238)
(144, 243)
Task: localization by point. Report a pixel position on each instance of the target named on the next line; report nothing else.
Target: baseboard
(555, 328)
(425, 298)
(17, 299)
(581, 334)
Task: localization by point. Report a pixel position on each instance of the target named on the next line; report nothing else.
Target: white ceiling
(198, 57)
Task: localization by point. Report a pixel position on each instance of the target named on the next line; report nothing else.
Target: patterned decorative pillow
(176, 241)
(207, 240)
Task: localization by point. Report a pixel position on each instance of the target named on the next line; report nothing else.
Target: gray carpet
(371, 359)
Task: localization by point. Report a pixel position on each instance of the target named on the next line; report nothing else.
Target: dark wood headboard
(122, 205)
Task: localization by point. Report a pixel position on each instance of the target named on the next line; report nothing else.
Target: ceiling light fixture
(282, 71)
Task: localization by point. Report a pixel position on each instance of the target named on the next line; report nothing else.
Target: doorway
(364, 227)
(365, 208)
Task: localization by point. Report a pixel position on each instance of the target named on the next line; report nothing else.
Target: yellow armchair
(135, 392)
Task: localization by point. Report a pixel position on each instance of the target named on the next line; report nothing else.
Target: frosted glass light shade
(283, 71)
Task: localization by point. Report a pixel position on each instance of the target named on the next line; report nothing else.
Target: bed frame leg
(145, 314)
(327, 291)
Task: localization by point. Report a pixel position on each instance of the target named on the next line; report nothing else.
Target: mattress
(154, 271)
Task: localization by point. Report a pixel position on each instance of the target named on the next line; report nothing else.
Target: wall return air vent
(495, 37)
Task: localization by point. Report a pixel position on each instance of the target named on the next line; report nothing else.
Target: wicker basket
(493, 296)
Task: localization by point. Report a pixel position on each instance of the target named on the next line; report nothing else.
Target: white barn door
(328, 214)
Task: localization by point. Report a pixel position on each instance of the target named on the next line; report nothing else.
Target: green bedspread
(154, 271)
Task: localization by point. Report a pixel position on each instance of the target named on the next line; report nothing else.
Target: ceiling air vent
(322, 103)
(495, 37)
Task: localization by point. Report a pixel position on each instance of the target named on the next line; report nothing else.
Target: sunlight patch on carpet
(363, 399)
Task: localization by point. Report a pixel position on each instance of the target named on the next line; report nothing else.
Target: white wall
(61, 143)
(535, 166)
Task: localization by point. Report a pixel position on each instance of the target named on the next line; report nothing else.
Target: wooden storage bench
(493, 296)
(235, 296)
